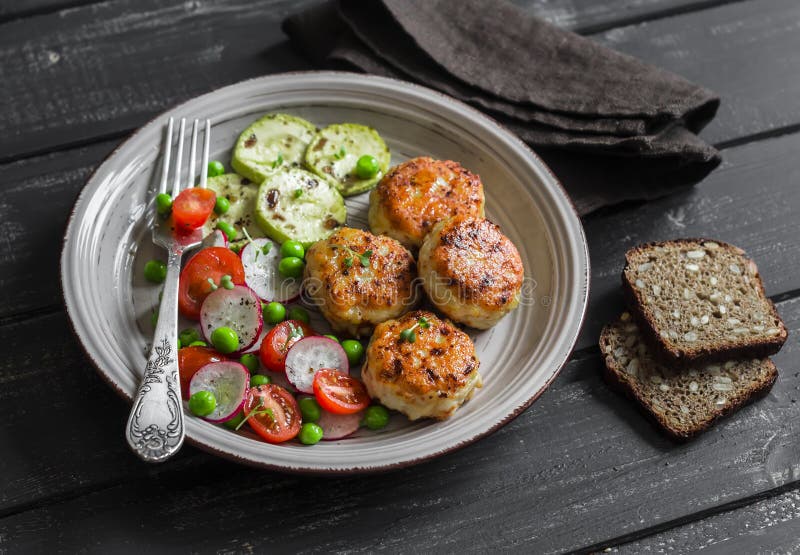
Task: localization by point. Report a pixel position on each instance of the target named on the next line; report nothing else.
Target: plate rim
(354, 470)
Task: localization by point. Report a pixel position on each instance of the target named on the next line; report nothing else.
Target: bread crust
(682, 356)
(617, 379)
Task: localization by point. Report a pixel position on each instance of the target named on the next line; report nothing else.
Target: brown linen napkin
(611, 127)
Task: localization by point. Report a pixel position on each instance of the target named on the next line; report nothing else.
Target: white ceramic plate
(107, 243)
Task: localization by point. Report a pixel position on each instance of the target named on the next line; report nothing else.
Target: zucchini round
(241, 194)
(272, 143)
(298, 205)
(334, 152)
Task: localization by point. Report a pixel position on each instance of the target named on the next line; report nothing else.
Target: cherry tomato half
(276, 416)
(211, 262)
(277, 342)
(192, 207)
(339, 393)
(192, 359)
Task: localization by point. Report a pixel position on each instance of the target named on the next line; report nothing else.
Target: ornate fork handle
(155, 427)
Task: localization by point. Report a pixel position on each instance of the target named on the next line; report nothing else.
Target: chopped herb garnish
(298, 193)
(214, 286)
(278, 161)
(409, 334)
(341, 154)
(247, 235)
(294, 333)
(362, 258)
(256, 412)
(226, 282)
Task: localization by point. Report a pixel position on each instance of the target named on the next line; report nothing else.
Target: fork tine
(193, 154)
(206, 148)
(167, 150)
(176, 185)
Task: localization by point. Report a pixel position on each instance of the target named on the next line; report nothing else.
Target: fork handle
(155, 429)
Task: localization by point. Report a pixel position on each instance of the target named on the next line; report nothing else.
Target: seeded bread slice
(700, 300)
(683, 402)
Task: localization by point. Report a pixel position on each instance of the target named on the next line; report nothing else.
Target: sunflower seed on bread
(700, 300)
(686, 401)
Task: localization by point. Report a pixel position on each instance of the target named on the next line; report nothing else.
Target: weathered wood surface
(580, 455)
(751, 201)
(38, 194)
(576, 470)
(75, 84)
(587, 16)
(771, 525)
(14, 9)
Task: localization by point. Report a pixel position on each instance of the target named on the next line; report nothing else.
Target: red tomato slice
(190, 360)
(192, 207)
(339, 393)
(277, 342)
(282, 422)
(211, 262)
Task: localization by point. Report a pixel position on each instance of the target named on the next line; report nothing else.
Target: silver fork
(155, 429)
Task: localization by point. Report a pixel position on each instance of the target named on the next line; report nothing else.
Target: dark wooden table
(580, 470)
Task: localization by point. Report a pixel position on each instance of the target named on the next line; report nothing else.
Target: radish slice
(238, 308)
(338, 426)
(228, 381)
(260, 263)
(311, 354)
(214, 239)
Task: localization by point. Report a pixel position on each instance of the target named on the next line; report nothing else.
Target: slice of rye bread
(682, 401)
(700, 300)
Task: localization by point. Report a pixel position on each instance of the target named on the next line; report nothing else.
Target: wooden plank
(767, 526)
(63, 426)
(178, 53)
(12, 9)
(741, 50)
(587, 16)
(752, 201)
(38, 194)
(581, 467)
(79, 84)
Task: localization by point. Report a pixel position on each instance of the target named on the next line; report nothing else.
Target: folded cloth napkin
(611, 127)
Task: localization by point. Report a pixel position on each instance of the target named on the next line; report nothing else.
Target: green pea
(333, 337)
(202, 403)
(215, 168)
(234, 422)
(291, 267)
(198, 344)
(163, 203)
(310, 409)
(353, 349)
(273, 313)
(310, 434)
(229, 231)
(292, 248)
(222, 205)
(259, 379)
(250, 361)
(376, 417)
(155, 271)
(299, 313)
(367, 166)
(189, 336)
(225, 340)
